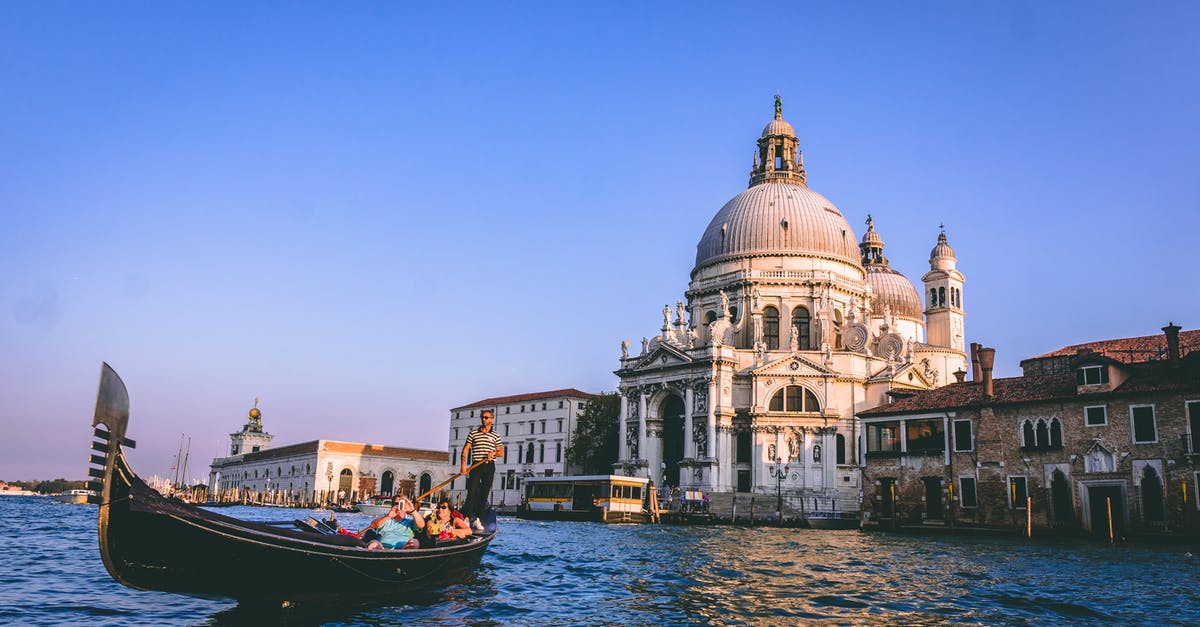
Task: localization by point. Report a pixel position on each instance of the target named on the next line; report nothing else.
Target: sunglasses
(443, 507)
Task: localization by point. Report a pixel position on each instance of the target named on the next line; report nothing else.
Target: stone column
(711, 404)
(642, 424)
(689, 444)
(622, 432)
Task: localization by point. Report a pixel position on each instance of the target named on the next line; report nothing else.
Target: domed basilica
(790, 326)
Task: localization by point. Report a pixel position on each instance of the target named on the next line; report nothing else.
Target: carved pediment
(792, 366)
(904, 374)
(663, 356)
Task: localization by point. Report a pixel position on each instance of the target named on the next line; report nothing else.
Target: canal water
(543, 573)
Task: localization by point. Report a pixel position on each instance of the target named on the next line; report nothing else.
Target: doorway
(933, 498)
(1100, 499)
(671, 412)
(1060, 500)
(1153, 512)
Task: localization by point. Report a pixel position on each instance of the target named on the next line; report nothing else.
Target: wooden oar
(452, 478)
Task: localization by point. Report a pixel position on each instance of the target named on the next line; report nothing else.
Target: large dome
(777, 219)
(893, 290)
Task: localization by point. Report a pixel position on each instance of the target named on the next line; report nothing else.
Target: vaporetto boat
(600, 498)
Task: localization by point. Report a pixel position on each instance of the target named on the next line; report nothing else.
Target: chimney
(976, 373)
(960, 375)
(1172, 333)
(987, 357)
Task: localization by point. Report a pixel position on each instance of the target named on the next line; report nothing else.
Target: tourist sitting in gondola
(447, 523)
(398, 528)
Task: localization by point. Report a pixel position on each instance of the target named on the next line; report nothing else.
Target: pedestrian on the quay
(482, 444)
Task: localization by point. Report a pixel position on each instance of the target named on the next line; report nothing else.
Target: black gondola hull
(150, 542)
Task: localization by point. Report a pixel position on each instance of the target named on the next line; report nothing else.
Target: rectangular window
(1091, 375)
(966, 492)
(543, 426)
(510, 480)
(543, 406)
(1193, 412)
(1095, 416)
(925, 436)
(560, 425)
(560, 404)
(963, 438)
(883, 437)
(508, 410)
(506, 429)
(1142, 417)
(580, 407)
(1018, 492)
(472, 413)
(522, 409)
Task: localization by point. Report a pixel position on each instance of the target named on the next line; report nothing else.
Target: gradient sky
(368, 214)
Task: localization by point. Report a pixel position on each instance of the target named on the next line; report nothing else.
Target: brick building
(1113, 424)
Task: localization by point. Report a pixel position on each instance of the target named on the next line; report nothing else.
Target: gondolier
(482, 444)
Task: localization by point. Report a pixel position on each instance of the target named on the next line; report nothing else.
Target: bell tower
(943, 297)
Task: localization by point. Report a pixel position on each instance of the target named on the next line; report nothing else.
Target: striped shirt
(482, 444)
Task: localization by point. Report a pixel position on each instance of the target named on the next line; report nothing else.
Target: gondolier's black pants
(479, 483)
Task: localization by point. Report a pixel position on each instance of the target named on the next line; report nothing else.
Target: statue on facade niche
(624, 349)
(793, 445)
(794, 345)
(754, 296)
(680, 313)
(828, 350)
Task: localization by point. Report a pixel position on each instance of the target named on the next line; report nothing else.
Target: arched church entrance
(388, 483)
(671, 412)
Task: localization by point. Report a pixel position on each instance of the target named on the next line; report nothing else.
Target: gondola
(150, 542)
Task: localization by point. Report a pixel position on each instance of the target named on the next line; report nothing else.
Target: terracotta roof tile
(1132, 349)
(534, 396)
(1152, 376)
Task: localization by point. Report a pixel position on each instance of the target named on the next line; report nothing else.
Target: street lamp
(778, 471)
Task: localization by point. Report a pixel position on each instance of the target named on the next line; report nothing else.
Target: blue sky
(367, 214)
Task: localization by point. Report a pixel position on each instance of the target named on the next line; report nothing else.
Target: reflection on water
(544, 573)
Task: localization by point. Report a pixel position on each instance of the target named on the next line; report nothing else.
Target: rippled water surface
(539, 573)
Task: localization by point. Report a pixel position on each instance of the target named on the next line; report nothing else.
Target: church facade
(789, 326)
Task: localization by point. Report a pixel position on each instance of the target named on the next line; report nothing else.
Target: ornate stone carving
(891, 346)
(855, 336)
(700, 400)
(793, 444)
(700, 437)
(631, 440)
(771, 452)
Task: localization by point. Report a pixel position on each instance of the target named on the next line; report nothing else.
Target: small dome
(893, 290)
(778, 127)
(942, 250)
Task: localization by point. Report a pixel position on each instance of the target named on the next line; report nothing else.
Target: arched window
(426, 483)
(529, 453)
(1043, 434)
(771, 328)
(800, 326)
(1055, 434)
(932, 297)
(794, 398)
(387, 482)
(841, 448)
(541, 452)
(709, 317)
(1027, 434)
(942, 296)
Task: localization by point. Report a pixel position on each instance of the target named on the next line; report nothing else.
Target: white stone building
(536, 430)
(312, 471)
(789, 326)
